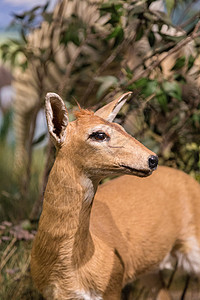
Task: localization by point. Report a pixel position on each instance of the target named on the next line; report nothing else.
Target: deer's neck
(67, 206)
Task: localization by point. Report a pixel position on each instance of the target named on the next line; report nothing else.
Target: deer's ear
(109, 111)
(57, 118)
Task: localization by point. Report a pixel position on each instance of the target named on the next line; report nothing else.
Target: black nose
(153, 162)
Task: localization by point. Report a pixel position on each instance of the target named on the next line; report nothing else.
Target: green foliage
(11, 202)
(115, 10)
(39, 139)
(169, 5)
(106, 83)
(6, 124)
(11, 50)
(172, 89)
(139, 33)
(180, 62)
(117, 34)
(30, 19)
(151, 38)
(75, 32)
(15, 51)
(191, 61)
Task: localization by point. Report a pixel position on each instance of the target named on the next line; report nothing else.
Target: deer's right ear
(57, 118)
(109, 111)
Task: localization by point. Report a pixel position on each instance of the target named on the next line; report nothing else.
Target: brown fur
(89, 249)
(83, 112)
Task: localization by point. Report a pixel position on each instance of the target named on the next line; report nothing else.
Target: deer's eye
(99, 136)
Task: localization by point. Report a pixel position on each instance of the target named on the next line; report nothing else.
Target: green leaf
(6, 124)
(46, 6)
(180, 62)
(31, 17)
(169, 5)
(172, 89)
(26, 225)
(14, 54)
(70, 36)
(151, 38)
(114, 33)
(196, 117)
(141, 82)
(23, 35)
(118, 34)
(150, 88)
(162, 99)
(179, 78)
(19, 16)
(115, 10)
(24, 65)
(106, 83)
(129, 73)
(34, 9)
(191, 61)
(111, 7)
(139, 34)
(15, 41)
(39, 139)
(172, 38)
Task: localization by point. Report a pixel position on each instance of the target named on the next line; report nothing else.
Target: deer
(90, 243)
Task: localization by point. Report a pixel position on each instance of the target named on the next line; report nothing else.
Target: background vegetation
(155, 55)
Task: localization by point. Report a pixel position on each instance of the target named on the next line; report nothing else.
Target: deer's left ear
(109, 111)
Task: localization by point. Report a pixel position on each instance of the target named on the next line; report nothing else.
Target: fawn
(88, 248)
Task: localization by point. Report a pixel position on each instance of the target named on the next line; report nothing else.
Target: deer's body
(89, 249)
(155, 216)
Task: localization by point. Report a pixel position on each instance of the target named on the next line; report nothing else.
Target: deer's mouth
(138, 172)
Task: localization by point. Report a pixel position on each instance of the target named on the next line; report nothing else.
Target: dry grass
(16, 283)
(15, 280)
(15, 250)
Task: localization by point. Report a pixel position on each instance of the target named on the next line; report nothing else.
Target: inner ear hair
(58, 117)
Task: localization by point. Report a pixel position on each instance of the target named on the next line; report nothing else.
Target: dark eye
(99, 136)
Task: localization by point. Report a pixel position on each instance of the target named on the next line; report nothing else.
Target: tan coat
(89, 249)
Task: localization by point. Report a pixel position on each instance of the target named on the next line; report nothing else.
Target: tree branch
(180, 45)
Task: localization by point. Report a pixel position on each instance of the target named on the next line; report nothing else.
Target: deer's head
(94, 143)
